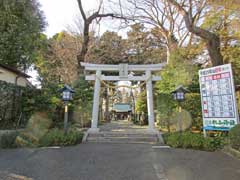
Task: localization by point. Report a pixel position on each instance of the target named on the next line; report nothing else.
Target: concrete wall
(10, 77)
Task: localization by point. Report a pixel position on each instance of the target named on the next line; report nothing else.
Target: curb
(230, 151)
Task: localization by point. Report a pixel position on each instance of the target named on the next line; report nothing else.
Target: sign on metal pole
(219, 108)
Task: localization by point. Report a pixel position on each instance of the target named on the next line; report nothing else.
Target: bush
(8, 140)
(234, 137)
(192, 104)
(190, 140)
(173, 140)
(166, 106)
(56, 137)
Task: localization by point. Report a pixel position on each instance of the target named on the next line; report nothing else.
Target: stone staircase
(106, 137)
(123, 132)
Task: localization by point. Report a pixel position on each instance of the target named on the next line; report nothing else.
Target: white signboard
(219, 107)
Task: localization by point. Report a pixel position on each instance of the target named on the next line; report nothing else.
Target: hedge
(234, 136)
(189, 140)
(15, 105)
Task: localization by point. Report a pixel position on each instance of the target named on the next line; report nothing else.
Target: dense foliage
(16, 104)
(56, 137)
(141, 102)
(21, 24)
(179, 72)
(166, 106)
(234, 136)
(7, 140)
(192, 104)
(190, 140)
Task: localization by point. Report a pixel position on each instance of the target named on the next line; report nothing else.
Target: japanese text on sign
(218, 98)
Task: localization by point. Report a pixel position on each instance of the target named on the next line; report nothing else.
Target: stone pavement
(108, 161)
(95, 161)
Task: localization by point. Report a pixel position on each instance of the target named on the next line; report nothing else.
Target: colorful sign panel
(218, 98)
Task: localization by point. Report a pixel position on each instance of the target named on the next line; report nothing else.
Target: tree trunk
(84, 49)
(212, 40)
(87, 22)
(213, 47)
(172, 45)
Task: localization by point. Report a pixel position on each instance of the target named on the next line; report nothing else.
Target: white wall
(10, 77)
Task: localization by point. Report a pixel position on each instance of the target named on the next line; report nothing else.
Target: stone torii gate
(123, 70)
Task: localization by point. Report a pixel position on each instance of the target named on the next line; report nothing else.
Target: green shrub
(192, 104)
(190, 140)
(8, 140)
(194, 141)
(214, 143)
(56, 137)
(234, 137)
(173, 140)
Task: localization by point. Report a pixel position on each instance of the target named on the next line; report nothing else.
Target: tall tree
(224, 20)
(107, 49)
(21, 24)
(57, 61)
(142, 46)
(87, 21)
(188, 11)
(166, 21)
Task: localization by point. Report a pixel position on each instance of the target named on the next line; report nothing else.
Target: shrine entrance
(94, 72)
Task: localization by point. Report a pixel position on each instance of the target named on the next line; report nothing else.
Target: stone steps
(100, 134)
(109, 137)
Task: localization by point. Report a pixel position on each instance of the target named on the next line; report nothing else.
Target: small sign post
(219, 108)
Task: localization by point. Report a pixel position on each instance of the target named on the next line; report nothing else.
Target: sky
(61, 13)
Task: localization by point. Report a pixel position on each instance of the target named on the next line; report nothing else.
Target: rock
(37, 127)
(181, 121)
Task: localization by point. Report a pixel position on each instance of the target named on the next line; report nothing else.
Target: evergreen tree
(21, 24)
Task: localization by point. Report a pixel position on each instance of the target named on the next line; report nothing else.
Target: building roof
(181, 88)
(67, 88)
(122, 107)
(14, 70)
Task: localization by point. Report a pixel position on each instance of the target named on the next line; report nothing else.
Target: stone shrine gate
(123, 70)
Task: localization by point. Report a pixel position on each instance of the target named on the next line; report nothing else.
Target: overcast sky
(61, 13)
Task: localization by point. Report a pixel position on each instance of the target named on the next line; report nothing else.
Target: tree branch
(213, 41)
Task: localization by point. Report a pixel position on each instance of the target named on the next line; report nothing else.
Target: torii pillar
(96, 98)
(151, 124)
(123, 70)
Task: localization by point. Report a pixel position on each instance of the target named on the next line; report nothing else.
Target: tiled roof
(14, 70)
(122, 107)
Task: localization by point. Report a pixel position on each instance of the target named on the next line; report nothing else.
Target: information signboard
(218, 99)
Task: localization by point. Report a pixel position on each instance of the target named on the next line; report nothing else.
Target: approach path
(96, 161)
(123, 126)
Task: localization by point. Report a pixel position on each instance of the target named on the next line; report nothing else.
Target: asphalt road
(116, 162)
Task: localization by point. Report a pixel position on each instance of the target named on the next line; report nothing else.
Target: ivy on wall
(16, 105)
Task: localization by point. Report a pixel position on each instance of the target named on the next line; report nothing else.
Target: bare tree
(188, 11)
(167, 24)
(87, 21)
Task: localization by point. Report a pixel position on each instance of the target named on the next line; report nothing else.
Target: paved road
(116, 162)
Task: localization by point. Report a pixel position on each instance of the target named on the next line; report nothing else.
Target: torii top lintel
(130, 67)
